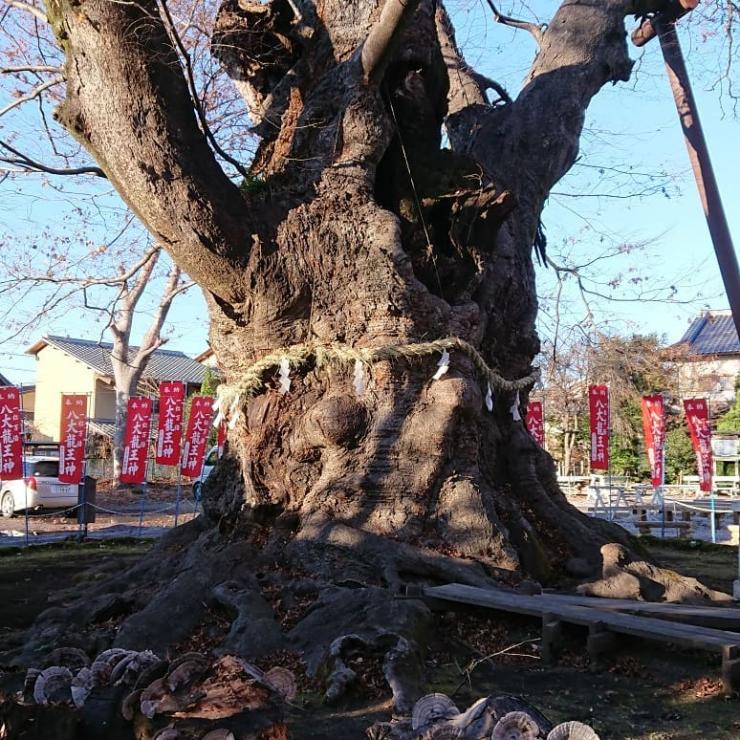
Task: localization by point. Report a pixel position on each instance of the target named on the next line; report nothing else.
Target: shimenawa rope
(252, 382)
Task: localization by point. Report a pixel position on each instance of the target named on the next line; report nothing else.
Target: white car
(40, 489)
(208, 464)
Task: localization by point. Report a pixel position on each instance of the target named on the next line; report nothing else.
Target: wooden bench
(602, 624)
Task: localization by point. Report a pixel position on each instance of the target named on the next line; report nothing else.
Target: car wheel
(197, 490)
(7, 506)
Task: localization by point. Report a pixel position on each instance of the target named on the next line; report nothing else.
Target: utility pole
(663, 25)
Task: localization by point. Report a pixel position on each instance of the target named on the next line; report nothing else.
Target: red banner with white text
(72, 437)
(196, 436)
(136, 439)
(653, 427)
(598, 406)
(11, 434)
(535, 422)
(221, 439)
(697, 417)
(169, 427)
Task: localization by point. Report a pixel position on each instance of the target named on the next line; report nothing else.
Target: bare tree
(115, 297)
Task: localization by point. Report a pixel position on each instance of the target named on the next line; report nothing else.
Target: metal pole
(700, 162)
(662, 489)
(177, 499)
(23, 458)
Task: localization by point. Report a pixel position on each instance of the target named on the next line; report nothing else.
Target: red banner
(535, 422)
(221, 439)
(136, 439)
(196, 437)
(653, 427)
(598, 406)
(11, 434)
(169, 428)
(72, 437)
(697, 416)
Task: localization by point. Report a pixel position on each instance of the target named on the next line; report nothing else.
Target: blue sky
(632, 128)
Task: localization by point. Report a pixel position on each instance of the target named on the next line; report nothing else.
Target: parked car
(208, 465)
(39, 489)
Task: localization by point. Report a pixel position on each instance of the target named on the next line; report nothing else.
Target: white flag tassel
(515, 415)
(443, 365)
(489, 398)
(284, 376)
(359, 378)
(234, 412)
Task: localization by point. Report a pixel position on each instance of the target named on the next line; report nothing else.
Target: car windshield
(43, 468)
(212, 459)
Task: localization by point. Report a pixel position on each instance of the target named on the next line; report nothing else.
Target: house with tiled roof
(66, 365)
(712, 362)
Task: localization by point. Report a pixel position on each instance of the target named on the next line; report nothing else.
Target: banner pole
(662, 487)
(143, 495)
(177, 498)
(23, 463)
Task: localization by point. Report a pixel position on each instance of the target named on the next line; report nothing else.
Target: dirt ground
(648, 692)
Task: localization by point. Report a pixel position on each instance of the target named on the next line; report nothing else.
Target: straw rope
(252, 382)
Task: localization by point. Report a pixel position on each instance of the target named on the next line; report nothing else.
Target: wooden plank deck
(602, 623)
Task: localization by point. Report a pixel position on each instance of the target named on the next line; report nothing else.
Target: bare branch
(536, 30)
(194, 92)
(31, 165)
(28, 8)
(382, 35)
(30, 68)
(34, 93)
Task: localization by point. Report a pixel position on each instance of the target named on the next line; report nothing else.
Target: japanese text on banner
(136, 440)
(169, 428)
(196, 436)
(11, 434)
(598, 406)
(535, 422)
(72, 437)
(653, 427)
(697, 417)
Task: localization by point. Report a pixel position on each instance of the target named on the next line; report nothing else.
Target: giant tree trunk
(357, 228)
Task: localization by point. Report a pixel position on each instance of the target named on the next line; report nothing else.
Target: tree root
(623, 577)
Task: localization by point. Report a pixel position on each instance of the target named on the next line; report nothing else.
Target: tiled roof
(712, 334)
(163, 364)
(4, 380)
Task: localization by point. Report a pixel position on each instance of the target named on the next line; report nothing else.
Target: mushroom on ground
(515, 726)
(432, 708)
(572, 731)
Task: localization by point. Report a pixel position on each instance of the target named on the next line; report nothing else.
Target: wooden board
(685, 635)
(708, 616)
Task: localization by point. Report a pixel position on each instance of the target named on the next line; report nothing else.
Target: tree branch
(31, 165)
(34, 93)
(205, 128)
(152, 340)
(536, 30)
(129, 105)
(28, 8)
(30, 68)
(464, 87)
(383, 34)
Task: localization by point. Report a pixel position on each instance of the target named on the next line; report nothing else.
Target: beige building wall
(58, 373)
(713, 378)
(105, 401)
